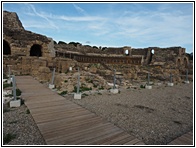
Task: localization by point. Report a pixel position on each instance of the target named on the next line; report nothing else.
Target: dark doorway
(178, 62)
(36, 50)
(6, 48)
(185, 63)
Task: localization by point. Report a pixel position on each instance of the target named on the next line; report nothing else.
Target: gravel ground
(155, 116)
(18, 123)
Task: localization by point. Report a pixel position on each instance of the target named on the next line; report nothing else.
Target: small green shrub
(101, 88)
(84, 94)
(5, 110)
(10, 95)
(82, 89)
(27, 111)
(8, 137)
(128, 87)
(63, 93)
(99, 93)
(22, 101)
(85, 89)
(5, 76)
(12, 122)
(66, 71)
(18, 92)
(7, 85)
(94, 85)
(65, 81)
(142, 86)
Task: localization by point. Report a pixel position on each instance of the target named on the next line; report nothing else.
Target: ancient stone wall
(11, 20)
(18, 41)
(117, 51)
(102, 59)
(139, 51)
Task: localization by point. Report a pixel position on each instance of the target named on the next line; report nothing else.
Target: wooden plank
(105, 136)
(53, 117)
(64, 124)
(185, 140)
(139, 143)
(132, 142)
(123, 140)
(109, 139)
(117, 139)
(51, 109)
(74, 136)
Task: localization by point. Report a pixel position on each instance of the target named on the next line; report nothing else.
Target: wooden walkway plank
(186, 139)
(105, 136)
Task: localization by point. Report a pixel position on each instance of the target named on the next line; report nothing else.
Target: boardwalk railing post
(78, 84)
(170, 78)
(114, 90)
(114, 86)
(148, 81)
(9, 72)
(15, 102)
(14, 86)
(51, 86)
(78, 95)
(186, 81)
(170, 81)
(9, 75)
(148, 86)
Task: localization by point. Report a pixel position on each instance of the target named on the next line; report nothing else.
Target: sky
(111, 24)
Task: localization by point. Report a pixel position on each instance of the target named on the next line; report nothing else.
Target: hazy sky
(110, 24)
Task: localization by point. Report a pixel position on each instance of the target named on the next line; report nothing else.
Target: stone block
(186, 82)
(170, 84)
(9, 81)
(148, 87)
(15, 103)
(114, 91)
(77, 96)
(51, 86)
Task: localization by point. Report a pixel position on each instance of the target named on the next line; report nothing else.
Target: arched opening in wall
(6, 48)
(185, 63)
(178, 63)
(127, 52)
(151, 55)
(36, 50)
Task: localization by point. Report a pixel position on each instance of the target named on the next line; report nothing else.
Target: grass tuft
(8, 137)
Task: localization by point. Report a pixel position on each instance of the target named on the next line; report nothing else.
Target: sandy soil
(155, 116)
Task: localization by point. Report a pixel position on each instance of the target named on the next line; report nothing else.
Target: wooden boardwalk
(61, 122)
(186, 139)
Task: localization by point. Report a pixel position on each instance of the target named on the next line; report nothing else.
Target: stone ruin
(28, 53)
